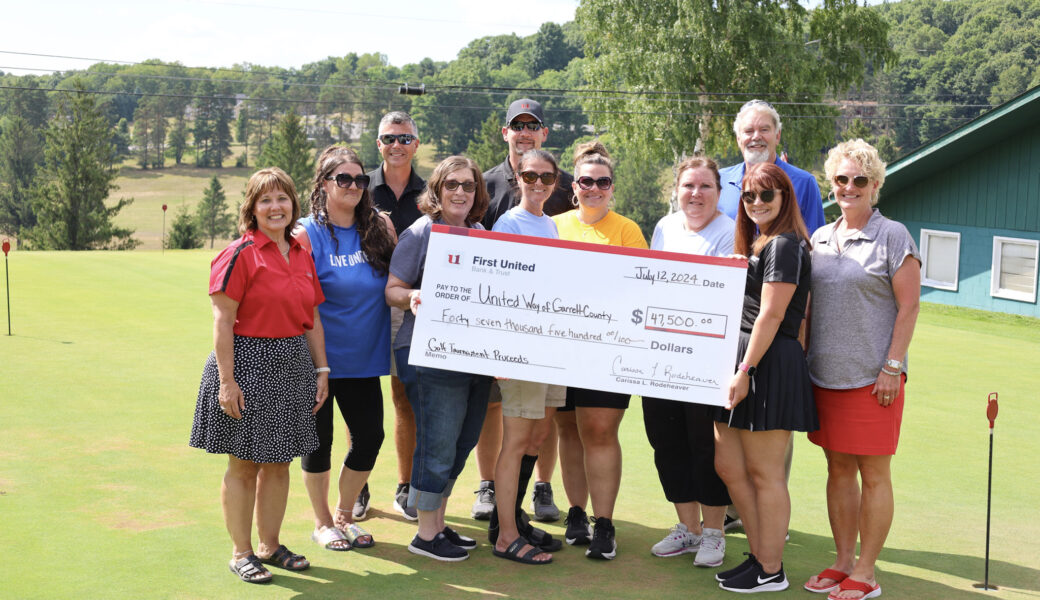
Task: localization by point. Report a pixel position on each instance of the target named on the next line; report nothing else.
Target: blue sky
(220, 33)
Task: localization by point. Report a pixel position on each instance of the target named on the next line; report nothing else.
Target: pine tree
(21, 150)
(213, 217)
(178, 140)
(487, 149)
(70, 190)
(289, 150)
(184, 233)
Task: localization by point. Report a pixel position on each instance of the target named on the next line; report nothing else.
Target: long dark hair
(376, 242)
(767, 176)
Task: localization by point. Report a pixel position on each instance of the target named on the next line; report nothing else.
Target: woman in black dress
(770, 394)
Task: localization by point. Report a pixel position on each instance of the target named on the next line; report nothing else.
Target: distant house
(971, 199)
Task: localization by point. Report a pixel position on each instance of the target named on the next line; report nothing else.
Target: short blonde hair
(864, 155)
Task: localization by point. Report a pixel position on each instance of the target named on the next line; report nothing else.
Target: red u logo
(453, 259)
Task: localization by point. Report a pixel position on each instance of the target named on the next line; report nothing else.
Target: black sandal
(513, 553)
(249, 569)
(538, 537)
(285, 559)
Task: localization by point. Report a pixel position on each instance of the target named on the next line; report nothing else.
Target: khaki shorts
(528, 399)
(396, 318)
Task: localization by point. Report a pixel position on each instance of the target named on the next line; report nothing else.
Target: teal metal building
(971, 199)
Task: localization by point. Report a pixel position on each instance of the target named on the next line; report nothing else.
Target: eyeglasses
(859, 181)
(520, 125)
(345, 181)
(405, 139)
(765, 195)
(530, 177)
(602, 183)
(467, 186)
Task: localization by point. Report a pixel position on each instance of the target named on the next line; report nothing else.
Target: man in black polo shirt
(395, 188)
(525, 130)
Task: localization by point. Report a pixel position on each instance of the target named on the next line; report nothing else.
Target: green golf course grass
(101, 497)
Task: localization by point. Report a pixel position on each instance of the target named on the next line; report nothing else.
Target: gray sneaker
(712, 550)
(361, 504)
(401, 503)
(485, 502)
(678, 541)
(542, 504)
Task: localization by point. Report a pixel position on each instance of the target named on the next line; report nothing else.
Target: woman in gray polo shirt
(866, 287)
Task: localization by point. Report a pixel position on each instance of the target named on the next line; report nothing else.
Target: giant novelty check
(656, 324)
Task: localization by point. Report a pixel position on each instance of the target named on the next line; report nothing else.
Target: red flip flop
(869, 591)
(834, 574)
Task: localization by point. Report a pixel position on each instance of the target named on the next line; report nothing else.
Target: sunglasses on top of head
(859, 181)
(602, 183)
(520, 125)
(345, 181)
(765, 195)
(531, 177)
(405, 139)
(467, 186)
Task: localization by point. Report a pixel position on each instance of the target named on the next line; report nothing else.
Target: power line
(448, 106)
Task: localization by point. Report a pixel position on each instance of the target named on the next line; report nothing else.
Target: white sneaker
(712, 550)
(678, 541)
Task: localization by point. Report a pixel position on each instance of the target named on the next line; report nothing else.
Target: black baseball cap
(525, 106)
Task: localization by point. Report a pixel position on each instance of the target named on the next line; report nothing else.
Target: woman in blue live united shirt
(351, 243)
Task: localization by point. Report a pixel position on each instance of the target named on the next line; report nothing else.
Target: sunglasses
(531, 177)
(602, 183)
(467, 186)
(765, 195)
(859, 181)
(405, 139)
(520, 125)
(345, 181)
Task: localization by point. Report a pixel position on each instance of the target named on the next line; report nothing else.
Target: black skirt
(277, 379)
(780, 395)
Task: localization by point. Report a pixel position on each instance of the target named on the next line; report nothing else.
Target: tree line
(657, 81)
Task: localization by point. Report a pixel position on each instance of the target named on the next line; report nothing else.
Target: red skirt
(852, 421)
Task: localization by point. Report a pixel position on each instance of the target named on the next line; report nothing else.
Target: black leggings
(361, 404)
(683, 438)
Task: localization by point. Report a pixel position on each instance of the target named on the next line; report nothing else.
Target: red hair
(767, 176)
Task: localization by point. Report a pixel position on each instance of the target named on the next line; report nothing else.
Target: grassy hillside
(183, 185)
(100, 496)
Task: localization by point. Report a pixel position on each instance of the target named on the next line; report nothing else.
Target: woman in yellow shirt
(590, 453)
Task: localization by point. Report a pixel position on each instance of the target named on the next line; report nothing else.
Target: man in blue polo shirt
(757, 127)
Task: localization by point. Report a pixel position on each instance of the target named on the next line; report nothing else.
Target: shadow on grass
(185, 171)
(806, 546)
(40, 339)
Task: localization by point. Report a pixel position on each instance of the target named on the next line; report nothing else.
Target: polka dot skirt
(278, 382)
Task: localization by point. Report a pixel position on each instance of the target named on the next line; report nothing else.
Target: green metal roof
(1000, 123)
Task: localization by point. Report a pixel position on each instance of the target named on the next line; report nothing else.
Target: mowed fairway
(101, 497)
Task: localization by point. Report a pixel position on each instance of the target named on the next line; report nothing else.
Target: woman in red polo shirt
(267, 375)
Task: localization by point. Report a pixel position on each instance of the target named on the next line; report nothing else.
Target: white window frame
(998, 292)
(926, 234)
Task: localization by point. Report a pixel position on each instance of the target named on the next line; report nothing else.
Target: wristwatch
(748, 369)
(894, 364)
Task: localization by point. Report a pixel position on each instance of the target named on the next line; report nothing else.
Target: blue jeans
(449, 412)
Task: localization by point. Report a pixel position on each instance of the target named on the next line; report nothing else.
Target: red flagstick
(7, 248)
(991, 414)
(163, 240)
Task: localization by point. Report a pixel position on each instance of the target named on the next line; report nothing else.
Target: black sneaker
(732, 523)
(755, 580)
(458, 539)
(439, 548)
(603, 543)
(401, 503)
(579, 532)
(737, 570)
(542, 504)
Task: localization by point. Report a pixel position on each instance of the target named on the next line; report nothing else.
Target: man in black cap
(525, 130)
